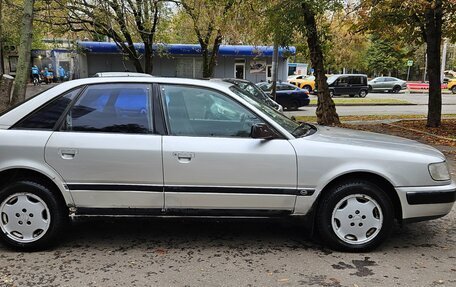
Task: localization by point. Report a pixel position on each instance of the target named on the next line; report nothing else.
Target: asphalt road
(420, 102)
(230, 252)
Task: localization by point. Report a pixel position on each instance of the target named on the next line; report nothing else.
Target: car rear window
(46, 117)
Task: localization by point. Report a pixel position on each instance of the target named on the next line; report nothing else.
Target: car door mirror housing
(262, 131)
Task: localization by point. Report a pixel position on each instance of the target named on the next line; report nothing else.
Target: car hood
(372, 140)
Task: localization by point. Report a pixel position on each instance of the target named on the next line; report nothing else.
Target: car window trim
(160, 124)
(150, 101)
(165, 112)
(59, 123)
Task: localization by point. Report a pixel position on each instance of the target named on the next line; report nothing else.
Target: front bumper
(427, 201)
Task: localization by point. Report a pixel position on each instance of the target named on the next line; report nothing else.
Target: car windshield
(296, 129)
(332, 79)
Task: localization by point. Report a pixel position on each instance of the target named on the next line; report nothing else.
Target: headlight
(439, 171)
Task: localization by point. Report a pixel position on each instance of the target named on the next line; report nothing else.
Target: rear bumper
(427, 201)
(305, 102)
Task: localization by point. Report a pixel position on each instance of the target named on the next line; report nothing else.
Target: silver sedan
(167, 146)
(387, 84)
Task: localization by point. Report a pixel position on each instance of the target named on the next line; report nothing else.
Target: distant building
(252, 63)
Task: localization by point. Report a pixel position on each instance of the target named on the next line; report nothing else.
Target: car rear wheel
(331, 93)
(293, 106)
(31, 217)
(370, 89)
(307, 87)
(362, 93)
(453, 90)
(355, 216)
(396, 89)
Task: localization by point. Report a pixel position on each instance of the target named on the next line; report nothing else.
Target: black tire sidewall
(336, 194)
(453, 90)
(56, 210)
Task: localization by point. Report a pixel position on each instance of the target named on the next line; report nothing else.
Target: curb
(370, 104)
(420, 132)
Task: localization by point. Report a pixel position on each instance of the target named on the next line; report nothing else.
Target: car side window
(46, 117)
(342, 81)
(354, 80)
(112, 108)
(203, 112)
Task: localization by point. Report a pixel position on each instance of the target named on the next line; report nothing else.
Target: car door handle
(68, 153)
(184, 157)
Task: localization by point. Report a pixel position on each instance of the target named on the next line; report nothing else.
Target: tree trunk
(2, 67)
(326, 109)
(433, 28)
(148, 55)
(209, 59)
(6, 82)
(25, 47)
(274, 70)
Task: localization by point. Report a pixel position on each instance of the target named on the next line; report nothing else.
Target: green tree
(383, 55)
(288, 16)
(125, 22)
(418, 21)
(209, 20)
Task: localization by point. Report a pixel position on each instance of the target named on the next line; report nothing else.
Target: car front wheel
(454, 90)
(31, 217)
(355, 216)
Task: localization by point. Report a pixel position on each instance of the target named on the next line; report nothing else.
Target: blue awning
(189, 49)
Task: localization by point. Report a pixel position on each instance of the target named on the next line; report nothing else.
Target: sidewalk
(33, 90)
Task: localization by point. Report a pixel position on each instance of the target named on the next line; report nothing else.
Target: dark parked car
(256, 93)
(348, 84)
(288, 95)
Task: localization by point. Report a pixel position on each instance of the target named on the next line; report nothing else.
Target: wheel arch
(372, 177)
(21, 173)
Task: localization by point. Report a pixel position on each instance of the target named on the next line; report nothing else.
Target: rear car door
(106, 149)
(211, 164)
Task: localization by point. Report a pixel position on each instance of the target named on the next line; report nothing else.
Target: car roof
(121, 74)
(12, 116)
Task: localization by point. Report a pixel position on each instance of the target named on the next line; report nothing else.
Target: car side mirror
(262, 131)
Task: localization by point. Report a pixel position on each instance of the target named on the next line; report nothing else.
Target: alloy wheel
(357, 219)
(24, 217)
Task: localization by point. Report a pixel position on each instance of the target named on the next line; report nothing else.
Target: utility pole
(444, 54)
(425, 67)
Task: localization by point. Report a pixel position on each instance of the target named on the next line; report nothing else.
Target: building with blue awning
(184, 60)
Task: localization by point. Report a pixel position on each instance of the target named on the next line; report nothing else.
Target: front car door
(210, 161)
(106, 150)
(342, 86)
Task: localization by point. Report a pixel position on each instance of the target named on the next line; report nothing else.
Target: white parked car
(169, 146)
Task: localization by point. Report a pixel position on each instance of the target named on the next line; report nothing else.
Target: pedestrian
(61, 73)
(47, 76)
(35, 75)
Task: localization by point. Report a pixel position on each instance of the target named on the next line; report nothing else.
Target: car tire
(370, 88)
(30, 207)
(453, 90)
(331, 93)
(354, 216)
(362, 93)
(396, 89)
(351, 96)
(307, 87)
(294, 106)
